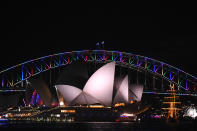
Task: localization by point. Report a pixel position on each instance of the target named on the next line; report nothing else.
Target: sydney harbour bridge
(156, 76)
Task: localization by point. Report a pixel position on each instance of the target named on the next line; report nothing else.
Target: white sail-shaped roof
(117, 82)
(90, 99)
(84, 98)
(100, 84)
(68, 92)
(135, 92)
(122, 92)
(80, 99)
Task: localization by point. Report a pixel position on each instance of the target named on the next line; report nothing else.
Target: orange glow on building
(131, 102)
(68, 111)
(96, 106)
(119, 104)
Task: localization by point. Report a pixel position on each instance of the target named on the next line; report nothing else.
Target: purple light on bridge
(137, 61)
(24, 102)
(2, 83)
(158, 68)
(173, 77)
(187, 88)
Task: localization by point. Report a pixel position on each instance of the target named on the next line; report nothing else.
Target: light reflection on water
(96, 126)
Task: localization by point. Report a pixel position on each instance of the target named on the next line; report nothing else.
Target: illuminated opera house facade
(74, 87)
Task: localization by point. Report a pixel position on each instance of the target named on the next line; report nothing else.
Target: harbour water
(103, 126)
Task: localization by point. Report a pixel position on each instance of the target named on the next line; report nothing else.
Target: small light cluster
(126, 115)
(18, 115)
(191, 112)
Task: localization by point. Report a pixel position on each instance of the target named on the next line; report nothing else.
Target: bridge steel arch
(17, 74)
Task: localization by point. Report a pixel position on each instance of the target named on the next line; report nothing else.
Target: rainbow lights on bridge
(14, 77)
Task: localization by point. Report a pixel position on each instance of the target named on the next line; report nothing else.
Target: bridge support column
(162, 88)
(154, 83)
(22, 84)
(162, 77)
(137, 77)
(50, 78)
(145, 80)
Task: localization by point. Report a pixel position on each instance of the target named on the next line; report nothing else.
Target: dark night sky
(166, 33)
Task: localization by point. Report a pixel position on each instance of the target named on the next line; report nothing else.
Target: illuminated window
(67, 111)
(119, 104)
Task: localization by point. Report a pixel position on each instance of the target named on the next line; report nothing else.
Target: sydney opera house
(103, 87)
(80, 84)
